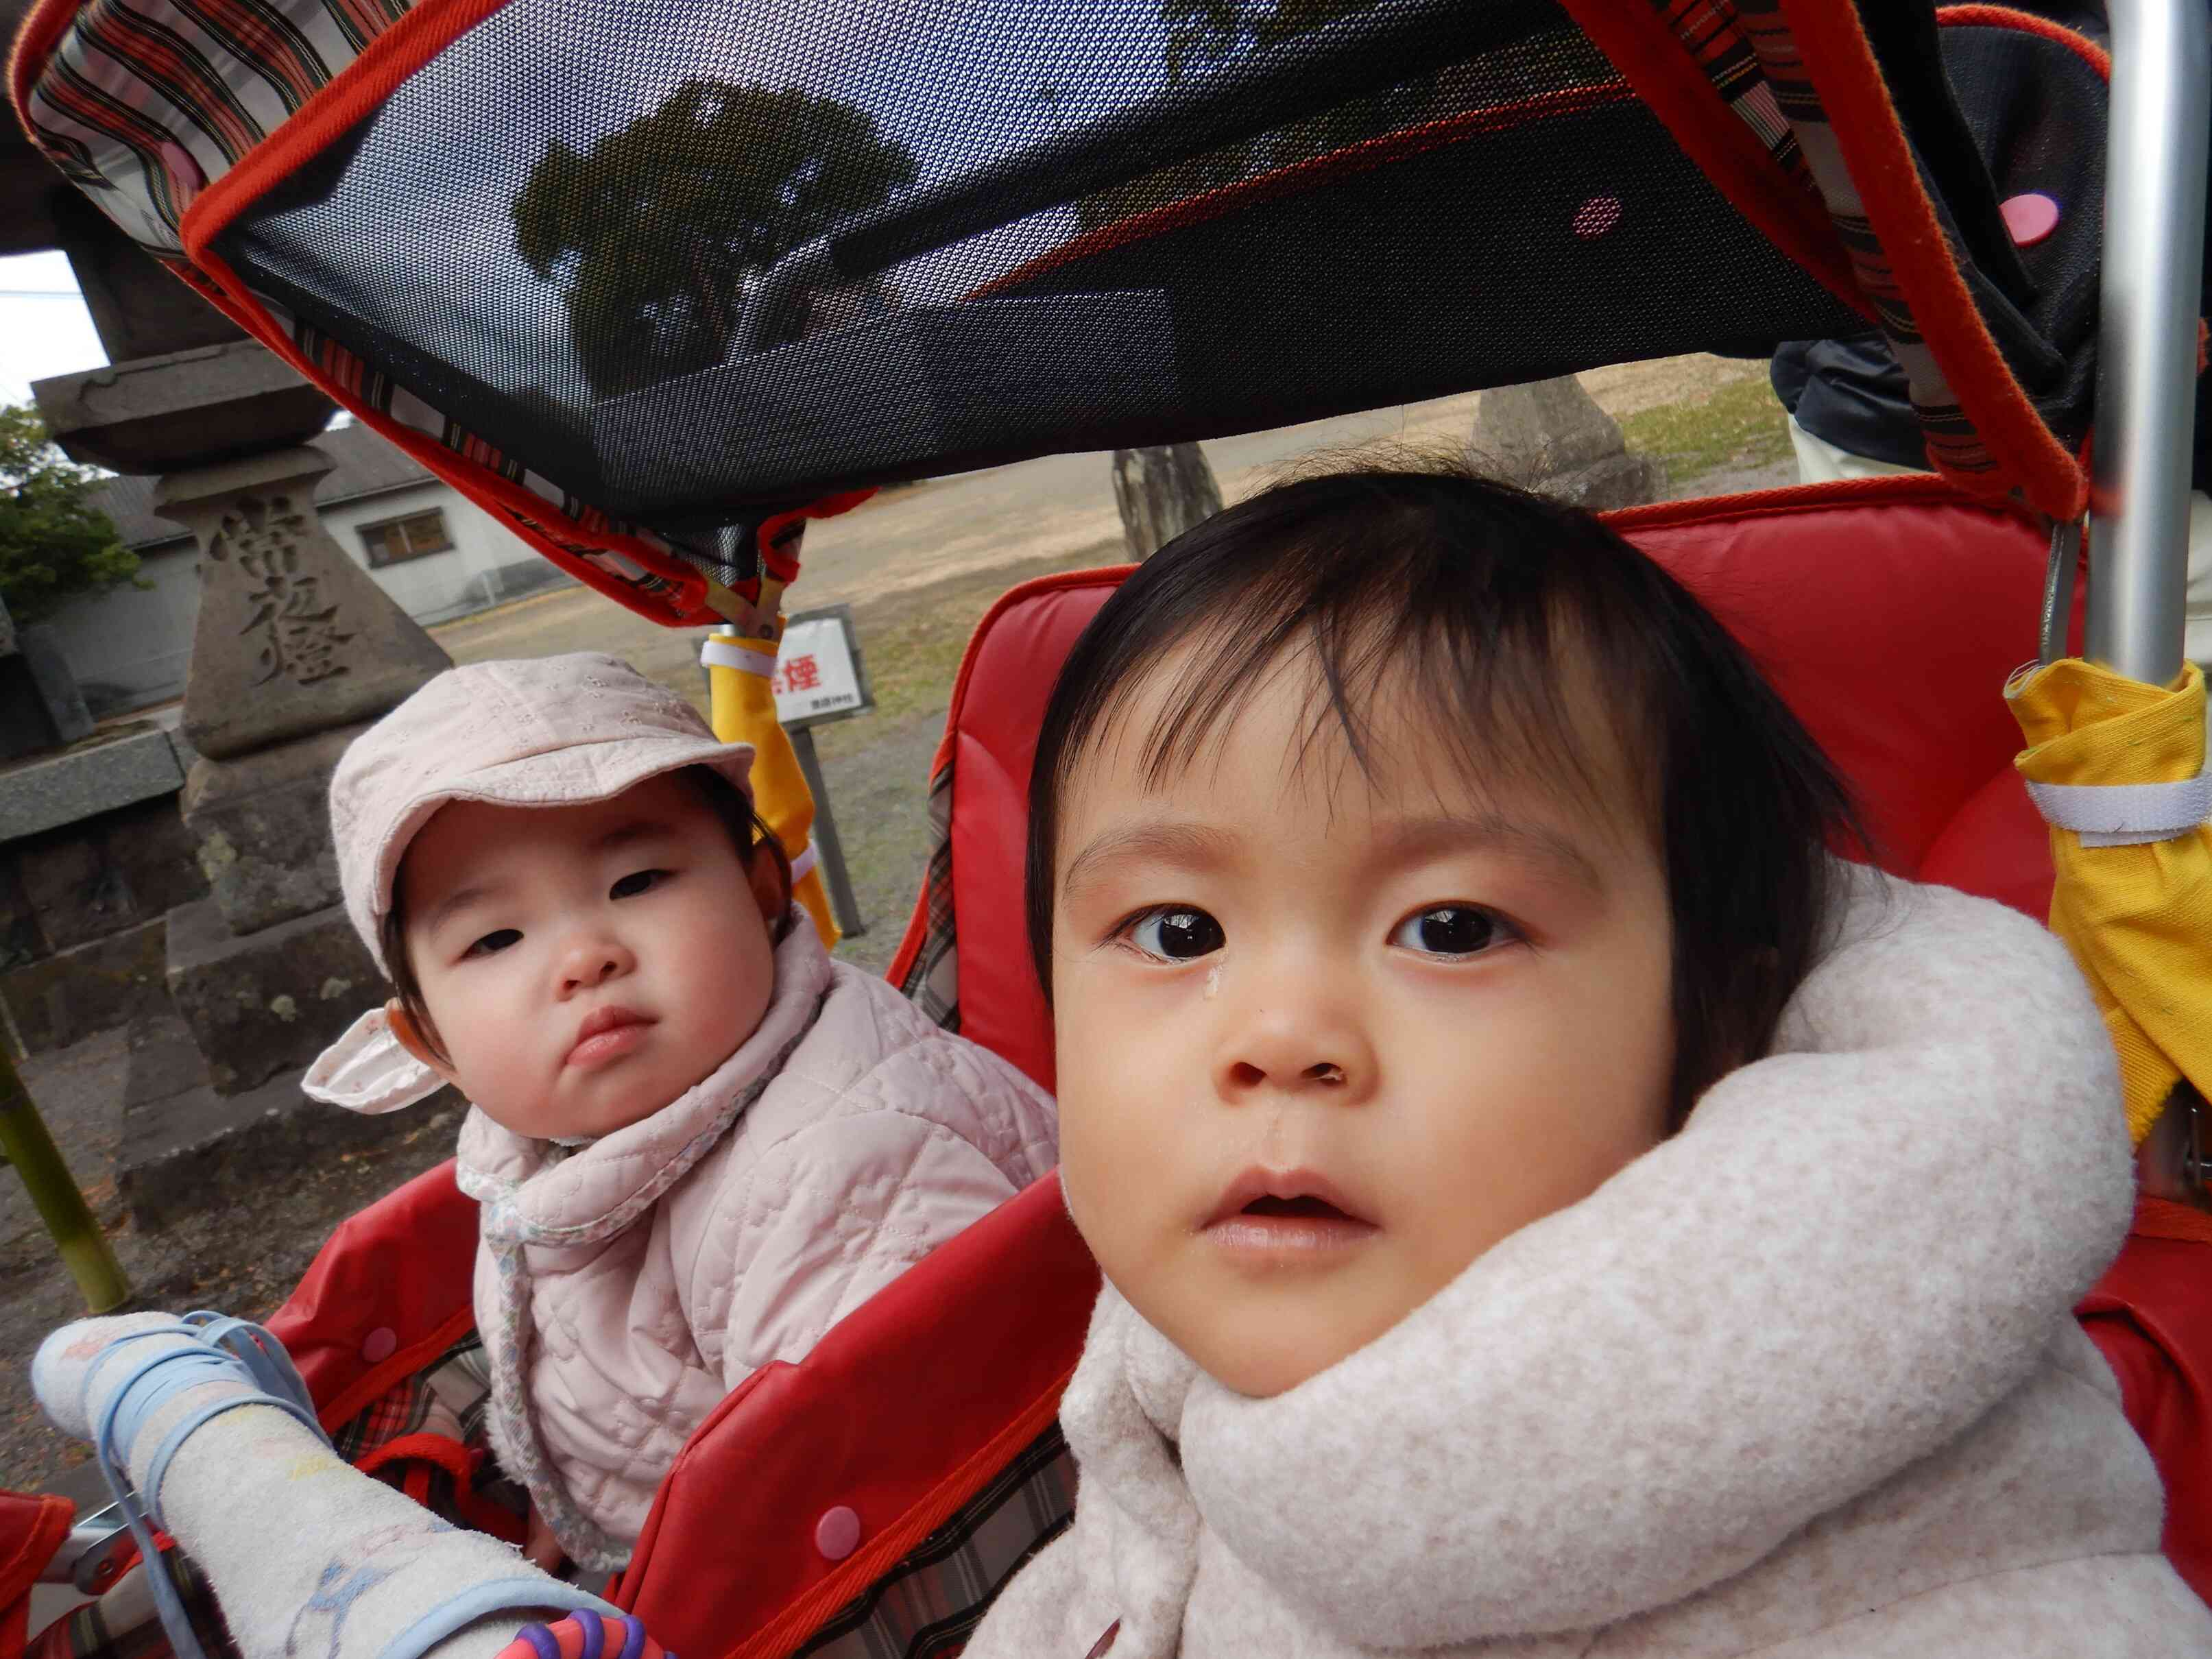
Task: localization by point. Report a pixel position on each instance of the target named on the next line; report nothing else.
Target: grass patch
(1739, 425)
(914, 649)
(913, 640)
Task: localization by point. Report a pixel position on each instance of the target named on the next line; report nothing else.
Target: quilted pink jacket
(623, 1288)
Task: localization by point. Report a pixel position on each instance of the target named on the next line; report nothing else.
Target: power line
(40, 294)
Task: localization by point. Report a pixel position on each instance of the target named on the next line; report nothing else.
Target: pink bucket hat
(529, 732)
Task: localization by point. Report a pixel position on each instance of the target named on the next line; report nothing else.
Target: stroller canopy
(632, 272)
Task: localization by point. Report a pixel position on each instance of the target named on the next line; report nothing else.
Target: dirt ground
(920, 565)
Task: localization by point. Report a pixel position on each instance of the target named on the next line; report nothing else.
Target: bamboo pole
(26, 1143)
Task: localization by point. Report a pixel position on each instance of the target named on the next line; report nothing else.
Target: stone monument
(294, 651)
(295, 648)
(1550, 436)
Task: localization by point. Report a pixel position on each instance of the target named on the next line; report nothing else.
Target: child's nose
(1320, 1053)
(591, 960)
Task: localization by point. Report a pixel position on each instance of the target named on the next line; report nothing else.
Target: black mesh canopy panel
(691, 259)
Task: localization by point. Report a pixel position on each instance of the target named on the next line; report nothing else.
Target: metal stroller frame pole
(2155, 173)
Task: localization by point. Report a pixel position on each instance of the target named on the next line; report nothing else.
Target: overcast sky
(44, 327)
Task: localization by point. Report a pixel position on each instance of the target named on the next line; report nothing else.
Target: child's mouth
(1308, 1205)
(607, 1034)
(1271, 1219)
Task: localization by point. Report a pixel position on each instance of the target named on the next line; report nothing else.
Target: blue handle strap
(481, 1601)
(224, 1349)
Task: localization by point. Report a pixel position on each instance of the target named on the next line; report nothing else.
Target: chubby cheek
(1523, 1113)
(1117, 1098)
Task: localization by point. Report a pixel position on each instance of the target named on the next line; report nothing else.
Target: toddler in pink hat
(697, 1141)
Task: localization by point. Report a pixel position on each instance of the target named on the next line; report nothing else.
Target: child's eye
(1175, 933)
(1451, 930)
(492, 943)
(638, 881)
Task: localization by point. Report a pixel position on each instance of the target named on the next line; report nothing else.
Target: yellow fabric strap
(743, 704)
(2138, 919)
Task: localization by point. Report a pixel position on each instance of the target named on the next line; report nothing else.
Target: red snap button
(837, 1534)
(1596, 216)
(377, 1346)
(2030, 217)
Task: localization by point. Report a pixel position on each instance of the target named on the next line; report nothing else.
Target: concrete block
(269, 1001)
(149, 845)
(20, 942)
(185, 1148)
(43, 794)
(261, 825)
(71, 994)
(183, 408)
(75, 893)
(41, 651)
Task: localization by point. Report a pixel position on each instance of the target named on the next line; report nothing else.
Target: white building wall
(485, 564)
(129, 648)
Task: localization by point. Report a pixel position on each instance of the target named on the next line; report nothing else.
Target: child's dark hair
(748, 832)
(1488, 599)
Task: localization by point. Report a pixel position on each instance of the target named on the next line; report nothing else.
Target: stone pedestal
(295, 649)
(1550, 436)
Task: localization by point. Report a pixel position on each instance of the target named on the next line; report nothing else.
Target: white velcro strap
(2125, 814)
(802, 864)
(720, 652)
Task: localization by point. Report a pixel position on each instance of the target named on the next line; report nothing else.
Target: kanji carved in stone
(294, 631)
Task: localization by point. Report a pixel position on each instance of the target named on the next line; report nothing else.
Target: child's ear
(409, 1037)
(771, 886)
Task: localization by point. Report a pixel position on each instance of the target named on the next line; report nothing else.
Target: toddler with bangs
(1557, 1207)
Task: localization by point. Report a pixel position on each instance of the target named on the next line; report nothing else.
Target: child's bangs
(1393, 640)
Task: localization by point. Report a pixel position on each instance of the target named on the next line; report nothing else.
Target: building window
(409, 538)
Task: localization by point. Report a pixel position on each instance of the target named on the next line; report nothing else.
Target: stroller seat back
(1882, 608)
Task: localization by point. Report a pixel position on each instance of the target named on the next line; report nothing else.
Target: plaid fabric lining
(930, 1603)
(1952, 442)
(143, 103)
(932, 981)
(446, 1398)
(1714, 36)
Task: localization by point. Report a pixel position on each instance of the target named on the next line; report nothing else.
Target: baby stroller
(967, 235)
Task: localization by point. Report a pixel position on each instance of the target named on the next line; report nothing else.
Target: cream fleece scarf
(1857, 1248)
